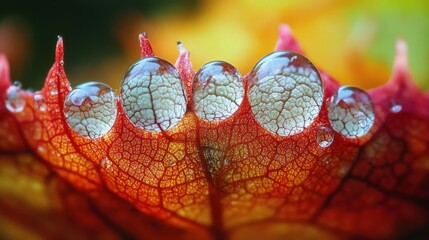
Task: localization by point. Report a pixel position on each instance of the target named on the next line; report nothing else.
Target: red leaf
(233, 178)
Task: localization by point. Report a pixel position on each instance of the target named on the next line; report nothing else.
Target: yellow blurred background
(352, 40)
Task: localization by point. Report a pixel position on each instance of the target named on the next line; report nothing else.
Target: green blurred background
(352, 40)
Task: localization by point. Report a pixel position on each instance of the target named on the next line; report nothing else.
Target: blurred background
(352, 40)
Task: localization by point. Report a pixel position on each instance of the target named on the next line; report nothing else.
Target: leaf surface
(230, 179)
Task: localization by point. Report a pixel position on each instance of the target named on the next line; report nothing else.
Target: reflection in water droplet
(395, 107)
(324, 136)
(285, 93)
(152, 95)
(15, 101)
(90, 109)
(217, 91)
(39, 101)
(351, 112)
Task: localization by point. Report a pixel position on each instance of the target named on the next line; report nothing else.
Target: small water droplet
(217, 91)
(285, 93)
(106, 163)
(351, 112)
(39, 101)
(324, 136)
(327, 158)
(90, 109)
(395, 107)
(53, 92)
(62, 62)
(15, 101)
(17, 84)
(170, 162)
(152, 95)
(40, 148)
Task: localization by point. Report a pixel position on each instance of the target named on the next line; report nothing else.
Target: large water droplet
(217, 91)
(15, 101)
(152, 94)
(285, 93)
(90, 109)
(39, 101)
(324, 136)
(351, 112)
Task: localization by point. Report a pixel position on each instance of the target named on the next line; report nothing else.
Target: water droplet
(326, 158)
(351, 112)
(170, 162)
(90, 109)
(39, 101)
(40, 148)
(15, 101)
(53, 92)
(106, 163)
(217, 91)
(152, 95)
(324, 136)
(62, 62)
(285, 93)
(395, 107)
(17, 84)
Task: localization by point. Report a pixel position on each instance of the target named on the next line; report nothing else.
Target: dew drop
(326, 158)
(106, 163)
(285, 93)
(324, 136)
(40, 149)
(15, 101)
(39, 102)
(152, 95)
(395, 107)
(90, 109)
(351, 112)
(217, 91)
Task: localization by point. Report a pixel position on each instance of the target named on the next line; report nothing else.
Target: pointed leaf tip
(401, 60)
(145, 46)
(59, 51)
(4, 81)
(184, 66)
(286, 40)
(182, 49)
(4, 72)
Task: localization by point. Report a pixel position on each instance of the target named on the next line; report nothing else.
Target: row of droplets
(285, 92)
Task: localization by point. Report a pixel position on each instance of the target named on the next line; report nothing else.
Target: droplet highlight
(395, 107)
(15, 100)
(324, 136)
(217, 91)
(152, 95)
(351, 112)
(285, 93)
(90, 109)
(39, 101)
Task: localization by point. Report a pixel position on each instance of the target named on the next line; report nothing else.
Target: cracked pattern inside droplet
(351, 112)
(217, 91)
(153, 96)
(285, 93)
(90, 109)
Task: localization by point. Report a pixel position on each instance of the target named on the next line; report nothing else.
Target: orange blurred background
(352, 40)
